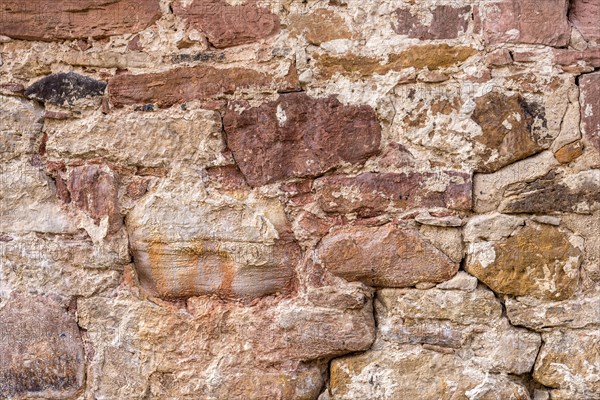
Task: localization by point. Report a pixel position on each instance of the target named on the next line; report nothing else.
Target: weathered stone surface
(576, 313)
(526, 21)
(93, 189)
(447, 22)
(233, 351)
(299, 136)
(21, 126)
(227, 24)
(460, 336)
(370, 194)
(539, 260)
(28, 198)
(589, 58)
(385, 256)
(554, 192)
(417, 374)
(431, 56)
(590, 108)
(319, 26)
(489, 189)
(457, 306)
(584, 15)
(65, 88)
(41, 351)
(192, 83)
(569, 362)
(141, 139)
(51, 20)
(233, 248)
(512, 129)
(460, 281)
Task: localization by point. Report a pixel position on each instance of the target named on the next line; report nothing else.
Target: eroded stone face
(319, 26)
(538, 260)
(512, 129)
(569, 362)
(447, 22)
(226, 24)
(51, 20)
(191, 83)
(584, 14)
(41, 351)
(299, 136)
(386, 256)
(232, 248)
(370, 194)
(21, 123)
(526, 21)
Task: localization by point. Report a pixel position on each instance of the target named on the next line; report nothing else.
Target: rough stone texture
(371, 194)
(579, 193)
(299, 200)
(233, 351)
(41, 351)
(527, 21)
(569, 362)
(512, 129)
(65, 88)
(245, 251)
(191, 83)
(319, 26)
(540, 261)
(584, 14)
(436, 344)
(279, 140)
(50, 20)
(447, 22)
(590, 108)
(386, 256)
(21, 123)
(191, 136)
(227, 25)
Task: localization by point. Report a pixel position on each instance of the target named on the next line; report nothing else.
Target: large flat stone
(526, 21)
(185, 244)
(57, 20)
(447, 22)
(299, 136)
(41, 352)
(385, 256)
(584, 15)
(590, 108)
(227, 24)
(370, 194)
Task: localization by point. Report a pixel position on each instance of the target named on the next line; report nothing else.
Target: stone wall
(287, 199)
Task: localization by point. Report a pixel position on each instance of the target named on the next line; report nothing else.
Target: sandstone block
(447, 22)
(370, 194)
(319, 26)
(233, 248)
(386, 256)
(554, 192)
(21, 126)
(299, 136)
(226, 24)
(139, 139)
(569, 362)
(41, 351)
(539, 260)
(526, 21)
(512, 129)
(192, 83)
(584, 15)
(52, 21)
